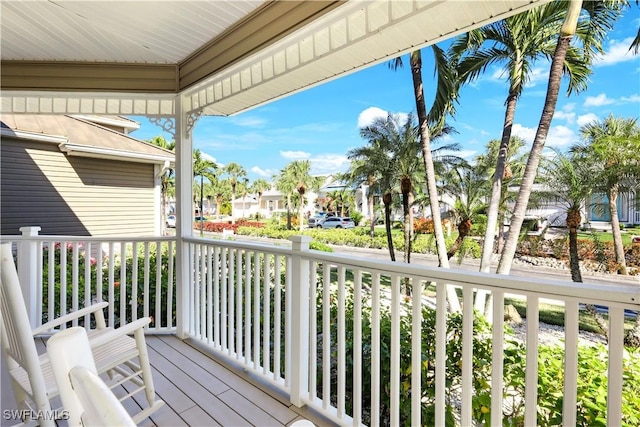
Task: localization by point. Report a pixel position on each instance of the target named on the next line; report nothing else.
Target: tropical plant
(373, 163)
(299, 172)
(468, 185)
(235, 172)
(517, 42)
(574, 61)
(167, 178)
(259, 186)
(203, 168)
(446, 93)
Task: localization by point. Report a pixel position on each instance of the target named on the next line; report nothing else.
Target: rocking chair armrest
(128, 329)
(69, 317)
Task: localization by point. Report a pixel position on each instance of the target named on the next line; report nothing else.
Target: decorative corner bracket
(167, 124)
(192, 119)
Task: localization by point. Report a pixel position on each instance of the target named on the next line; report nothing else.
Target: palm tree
(601, 16)
(375, 162)
(517, 42)
(286, 184)
(203, 168)
(569, 180)
(362, 171)
(468, 184)
(235, 172)
(167, 180)
(259, 186)
(300, 173)
(613, 146)
(446, 92)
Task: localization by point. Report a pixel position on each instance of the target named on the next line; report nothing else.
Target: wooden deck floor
(199, 391)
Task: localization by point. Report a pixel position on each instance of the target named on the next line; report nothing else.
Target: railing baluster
(441, 355)
(266, 314)
(63, 280)
(216, 296)
(233, 284)
(615, 368)
(223, 300)
(123, 284)
(497, 358)
(256, 309)
(570, 363)
(170, 283)
(210, 318)
(357, 347)
(375, 350)
(467, 355)
(157, 320)
(87, 279)
(51, 289)
(277, 313)
(395, 350)
(134, 282)
(239, 305)
(247, 307)
(326, 335)
(288, 341)
(313, 328)
(531, 374)
(75, 285)
(342, 364)
(110, 284)
(145, 291)
(416, 351)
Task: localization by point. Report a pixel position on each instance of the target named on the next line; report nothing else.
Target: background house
(79, 175)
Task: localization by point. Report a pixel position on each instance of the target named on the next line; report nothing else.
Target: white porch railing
(60, 274)
(311, 323)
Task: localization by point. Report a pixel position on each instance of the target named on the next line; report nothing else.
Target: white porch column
(301, 307)
(184, 217)
(28, 272)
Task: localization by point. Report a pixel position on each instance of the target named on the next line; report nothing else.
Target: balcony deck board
(199, 391)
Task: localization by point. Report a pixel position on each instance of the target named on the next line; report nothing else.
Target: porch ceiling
(134, 57)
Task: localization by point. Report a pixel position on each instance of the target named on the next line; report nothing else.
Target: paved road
(518, 268)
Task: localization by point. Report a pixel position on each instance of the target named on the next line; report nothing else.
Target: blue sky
(322, 124)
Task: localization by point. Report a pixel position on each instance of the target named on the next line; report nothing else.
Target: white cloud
(267, 173)
(565, 115)
(209, 158)
(329, 163)
(295, 155)
(617, 51)
(558, 135)
(630, 99)
(537, 75)
(597, 101)
(587, 118)
(367, 116)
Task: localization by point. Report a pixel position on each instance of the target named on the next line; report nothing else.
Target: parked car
(316, 219)
(337, 222)
(171, 221)
(200, 218)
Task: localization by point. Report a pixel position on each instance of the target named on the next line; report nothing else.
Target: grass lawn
(607, 236)
(553, 314)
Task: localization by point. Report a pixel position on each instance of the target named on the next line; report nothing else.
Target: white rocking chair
(114, 351)
(85, 396)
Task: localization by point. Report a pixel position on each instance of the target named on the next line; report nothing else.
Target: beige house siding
(74, 195)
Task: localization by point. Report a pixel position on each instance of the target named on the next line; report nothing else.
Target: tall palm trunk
(233, 198)
(405, 188)
(574, 218)
(496, 188)
(371, 209)
(615, 230)
(566, 34)
(386, 199)
(425, 139)
(573, 222)
(301, 208)
(288, 211)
